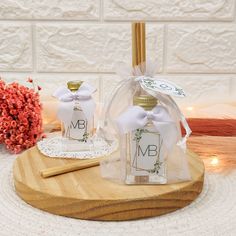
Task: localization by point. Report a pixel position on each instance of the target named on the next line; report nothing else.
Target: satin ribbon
(136, 117)
(68, 98)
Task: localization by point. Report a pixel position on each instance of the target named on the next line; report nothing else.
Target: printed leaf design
(85, 137)
(157, 167)
(179, 91)
(138, 134)
(158, 163)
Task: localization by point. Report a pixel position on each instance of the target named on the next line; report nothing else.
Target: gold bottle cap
(74, 85)
(146, 101)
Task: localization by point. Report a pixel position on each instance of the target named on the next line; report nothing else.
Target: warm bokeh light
(214, 161)
(190, 108)
(217, 152)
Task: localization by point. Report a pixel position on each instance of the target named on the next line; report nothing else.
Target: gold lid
(146, 101)
(74, 85)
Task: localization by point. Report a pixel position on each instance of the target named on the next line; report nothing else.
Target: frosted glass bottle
(76, 135)
(146, 163)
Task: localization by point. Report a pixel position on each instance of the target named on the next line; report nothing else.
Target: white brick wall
(194, 42)
(89, 47)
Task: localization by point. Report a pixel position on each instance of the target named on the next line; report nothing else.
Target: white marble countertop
(213, 213)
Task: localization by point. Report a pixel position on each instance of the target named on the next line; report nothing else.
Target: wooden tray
(85, 195)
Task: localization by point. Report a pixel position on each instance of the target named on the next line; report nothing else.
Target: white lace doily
(52, 147)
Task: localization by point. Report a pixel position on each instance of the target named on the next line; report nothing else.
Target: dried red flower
(20, 116)
(30, 80)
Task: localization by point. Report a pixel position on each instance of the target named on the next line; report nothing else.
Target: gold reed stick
(134, 45)
(138, 44)
(138, 38)
(58, 170)
(143, 46)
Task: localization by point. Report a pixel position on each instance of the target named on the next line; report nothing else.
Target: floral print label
(146, 153)
(78, 127)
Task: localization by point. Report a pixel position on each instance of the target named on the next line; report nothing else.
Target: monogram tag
(161, 85)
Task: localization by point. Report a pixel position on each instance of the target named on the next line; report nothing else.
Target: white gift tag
(161, 85)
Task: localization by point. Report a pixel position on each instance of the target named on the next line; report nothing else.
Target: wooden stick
(142, 46)
(138, 39)
(134, 45)
(138, 45)
(58, 170)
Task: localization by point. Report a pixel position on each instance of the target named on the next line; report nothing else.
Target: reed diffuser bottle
(77, 133)
(146, 162)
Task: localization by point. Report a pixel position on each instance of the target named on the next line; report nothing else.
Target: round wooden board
(84, 194)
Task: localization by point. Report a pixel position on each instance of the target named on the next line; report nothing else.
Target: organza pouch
(155, 131)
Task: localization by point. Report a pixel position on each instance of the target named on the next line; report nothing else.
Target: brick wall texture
(194, 42)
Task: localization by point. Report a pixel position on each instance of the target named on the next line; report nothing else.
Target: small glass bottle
(146, 162)
(76, 135)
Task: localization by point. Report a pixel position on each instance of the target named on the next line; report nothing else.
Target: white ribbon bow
(136, 117)
(68, 98)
